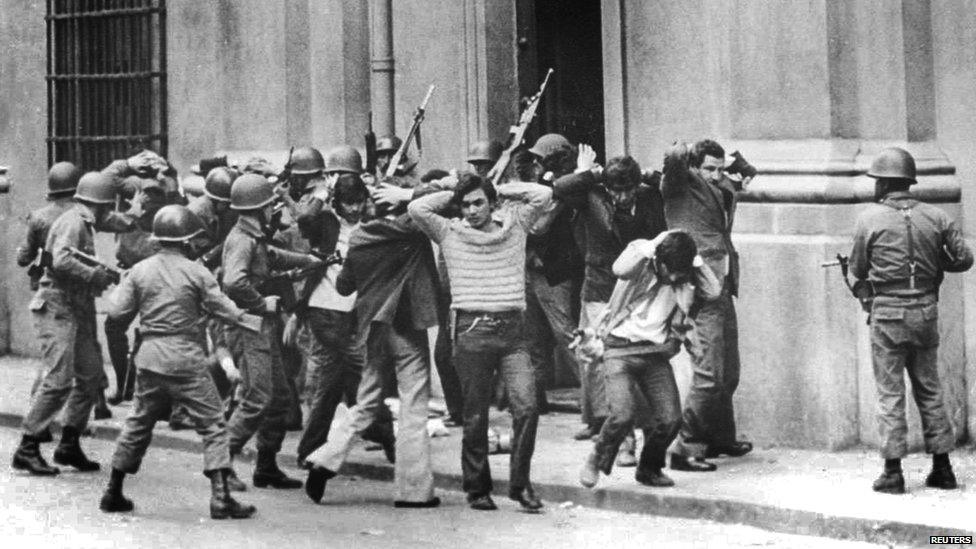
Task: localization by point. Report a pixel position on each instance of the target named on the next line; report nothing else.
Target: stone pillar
(383, 97)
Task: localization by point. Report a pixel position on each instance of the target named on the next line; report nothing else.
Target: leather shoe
(738, 448)
(432, 502)
(115, 502)
(526, 498)
(682, 463)
(481, 502)
(655, 478)
(941, 477)
(586, 433)
(315, 484)
(890, 483)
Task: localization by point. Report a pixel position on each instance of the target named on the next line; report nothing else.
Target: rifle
(95, 262)
(861, 289)
(301, 273)
(285, 174)
(517, 133)
(370, 139)
(414, 132)
(35, 270)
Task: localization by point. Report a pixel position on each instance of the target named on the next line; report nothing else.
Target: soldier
(483, 155)
(62, 180)
(173, 296)
(247, 260)
(386, 147)
(64, 317)
(902, 248)
(213, 209)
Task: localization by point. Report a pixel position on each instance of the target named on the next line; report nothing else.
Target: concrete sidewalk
(784, 490)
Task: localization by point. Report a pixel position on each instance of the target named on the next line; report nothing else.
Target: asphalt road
(171, 497)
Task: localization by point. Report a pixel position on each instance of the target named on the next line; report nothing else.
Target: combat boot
(890, 482)
(222, 505)
(112, 500)
(28, 458)
(942, 477)
(267, 473)
(69, 451)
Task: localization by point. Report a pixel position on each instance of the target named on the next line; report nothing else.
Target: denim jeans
(629, 379)
(906, 339)
(336, 356)
(484, 343)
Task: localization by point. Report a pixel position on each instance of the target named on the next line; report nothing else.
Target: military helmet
(548, 144)
(343, 159)
(485, 151)
(251, 191)
(95, 188)
(306, 161)
(893, 163)
(218, 183)
(175, 223)
(390, 143)
(62, 178)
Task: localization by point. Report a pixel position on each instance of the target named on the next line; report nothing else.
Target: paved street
(171, 511)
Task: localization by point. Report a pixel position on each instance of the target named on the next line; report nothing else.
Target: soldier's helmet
(548, 144)
(95, 188)
(343, 159)
(218, 183)
(175, 223)
(893, 163)
(62, 179)
(251, 191)
(306, 161)
(390, 143)
(485, 151)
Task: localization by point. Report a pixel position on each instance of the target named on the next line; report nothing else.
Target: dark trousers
(155, 394)
(708, 415)
(632, 382)
(118, 347)
(336, 355)
(264, 407)
(444, 361)
(486, 343)
(550, 325)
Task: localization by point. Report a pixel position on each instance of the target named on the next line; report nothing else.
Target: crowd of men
(320, 281)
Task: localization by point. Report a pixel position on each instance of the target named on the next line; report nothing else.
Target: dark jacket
(704, 210)
(557, 249)
(607, 232)
(391, 266)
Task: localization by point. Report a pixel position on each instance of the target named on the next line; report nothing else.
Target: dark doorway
(567, 36)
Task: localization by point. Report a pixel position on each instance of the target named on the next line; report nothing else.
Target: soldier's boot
(69, 451)
(267, 473)
(28, 458)
(941, 475)
(222, 505)
(891, 480)
(112, 500)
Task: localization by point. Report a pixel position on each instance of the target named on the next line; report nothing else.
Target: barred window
(106, 79)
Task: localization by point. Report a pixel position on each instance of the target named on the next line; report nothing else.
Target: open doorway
(567, 36)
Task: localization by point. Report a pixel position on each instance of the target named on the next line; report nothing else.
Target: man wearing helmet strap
(64, 317)
(902, 248)
(173, 296)
(247, 261)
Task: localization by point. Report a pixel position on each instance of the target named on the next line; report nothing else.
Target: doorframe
(615, 106)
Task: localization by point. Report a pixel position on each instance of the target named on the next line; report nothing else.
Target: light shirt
(650, 318)
(325, 295)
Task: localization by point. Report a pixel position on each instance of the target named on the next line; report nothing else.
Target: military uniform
(64, 317)
(247, 266)
(902, 247)
(38, 225)
(173, 296)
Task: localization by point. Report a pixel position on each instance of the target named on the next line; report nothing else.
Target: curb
(775, 519)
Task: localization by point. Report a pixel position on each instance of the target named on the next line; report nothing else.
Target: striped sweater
(486, 270)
